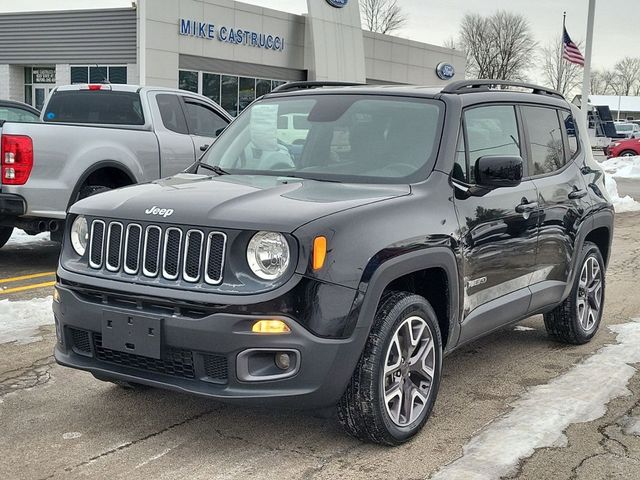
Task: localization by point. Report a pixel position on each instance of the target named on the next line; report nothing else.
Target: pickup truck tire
(90, 190)
(5, 234)
(391, 395)
(576, 320)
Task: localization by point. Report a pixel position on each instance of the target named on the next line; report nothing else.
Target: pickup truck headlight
(268, 255)
(79, 235)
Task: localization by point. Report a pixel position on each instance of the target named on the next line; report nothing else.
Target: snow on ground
(20, 237)
(539, 418)
(620, 204)
(622, 167)
(20, 321)
(521, 328)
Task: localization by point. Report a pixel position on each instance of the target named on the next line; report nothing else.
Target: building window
(98, 73)
(188, 80)
(231, 92)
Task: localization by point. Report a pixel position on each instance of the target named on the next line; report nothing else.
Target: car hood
(234, 201)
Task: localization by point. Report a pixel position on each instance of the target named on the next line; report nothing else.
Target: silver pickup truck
(93, 138)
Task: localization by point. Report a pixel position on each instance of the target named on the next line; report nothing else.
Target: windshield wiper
(214, 168)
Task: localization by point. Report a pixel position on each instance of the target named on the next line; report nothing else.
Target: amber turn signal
(270, 326)
(319, 252)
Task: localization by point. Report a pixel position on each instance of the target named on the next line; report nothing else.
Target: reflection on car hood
(235, 201)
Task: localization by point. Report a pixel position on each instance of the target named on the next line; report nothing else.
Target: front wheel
(628, 153)
(394, 385)
(576, 320)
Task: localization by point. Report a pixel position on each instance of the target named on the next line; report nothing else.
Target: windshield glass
(352, 138)
(624, 128)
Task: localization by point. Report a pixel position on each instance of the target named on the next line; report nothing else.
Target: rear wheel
(576, 320)
(395, 383)
(5, 234)
(90, 190)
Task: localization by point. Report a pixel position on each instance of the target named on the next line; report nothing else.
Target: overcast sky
(617, 27)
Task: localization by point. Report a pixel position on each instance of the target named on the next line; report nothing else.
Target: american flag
(570, 51)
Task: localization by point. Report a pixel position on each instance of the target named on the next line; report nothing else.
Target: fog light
(56, 295)
(270, 326)
(283, 360)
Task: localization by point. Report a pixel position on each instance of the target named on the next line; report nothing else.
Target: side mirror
(494, 171)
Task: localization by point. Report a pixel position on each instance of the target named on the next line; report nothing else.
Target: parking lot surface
(62, 423)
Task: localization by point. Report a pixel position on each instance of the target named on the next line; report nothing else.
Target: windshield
(624, 128)
(12, 114)
(351, 138)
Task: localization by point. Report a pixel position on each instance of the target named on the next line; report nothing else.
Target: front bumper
(12, 205)
(201, 353)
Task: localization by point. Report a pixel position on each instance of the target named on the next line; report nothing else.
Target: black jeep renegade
(337, 262)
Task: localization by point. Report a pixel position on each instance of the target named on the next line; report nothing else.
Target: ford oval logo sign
(445, 71)
(338, 3)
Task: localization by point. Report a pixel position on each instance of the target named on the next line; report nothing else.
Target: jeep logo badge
(162, 212)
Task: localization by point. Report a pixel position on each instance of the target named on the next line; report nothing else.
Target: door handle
(203, 148)
(577, 194)
(527, 207)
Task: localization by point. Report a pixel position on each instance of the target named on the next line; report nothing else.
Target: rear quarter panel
(63, 153)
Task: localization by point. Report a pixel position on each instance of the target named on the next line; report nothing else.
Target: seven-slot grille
(150, 251)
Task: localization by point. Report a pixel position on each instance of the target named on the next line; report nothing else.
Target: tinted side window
(460, 165)
(11, 114)
(545, 139)
(203, 120)
(572, 134)
(171, 113)
(491, 130)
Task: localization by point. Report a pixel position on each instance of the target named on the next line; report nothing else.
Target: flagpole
(586, 80)
(561, 65)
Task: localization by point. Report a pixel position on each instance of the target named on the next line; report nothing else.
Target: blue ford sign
(445, 71)
(236, 36)
(338, 3)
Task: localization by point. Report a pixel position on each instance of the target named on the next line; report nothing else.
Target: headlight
(79, 235)
(268, 255)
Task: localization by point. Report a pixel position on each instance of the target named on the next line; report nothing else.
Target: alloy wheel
(589, 300)
(409, 371)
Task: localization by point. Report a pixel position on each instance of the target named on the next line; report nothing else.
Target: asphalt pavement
(60, 423)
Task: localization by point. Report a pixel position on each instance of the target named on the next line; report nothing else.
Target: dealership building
(226, 50)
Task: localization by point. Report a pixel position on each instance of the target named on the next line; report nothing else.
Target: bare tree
(628, 75)
(499, 46)
(557, 73)
(610, 81)
(596, 83)
(382, 16)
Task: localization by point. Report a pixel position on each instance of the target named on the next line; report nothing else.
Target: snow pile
(620, 204)
(540, 417)
(20, 321)
(20, 236)
(622, 167)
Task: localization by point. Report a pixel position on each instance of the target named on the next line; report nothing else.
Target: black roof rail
(470, 86)
(291, 86)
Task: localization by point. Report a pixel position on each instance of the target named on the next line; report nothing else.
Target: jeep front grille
(153, 251)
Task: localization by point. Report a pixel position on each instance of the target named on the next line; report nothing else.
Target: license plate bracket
(134, 334)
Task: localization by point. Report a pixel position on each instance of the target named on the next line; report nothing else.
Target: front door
(498, 230)
(40, 94)
(204, 123)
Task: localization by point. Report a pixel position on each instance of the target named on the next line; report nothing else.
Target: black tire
(362, 410)
(628, 153)
(5, 234)
(90, 190)
(120, 383)
(564, 322)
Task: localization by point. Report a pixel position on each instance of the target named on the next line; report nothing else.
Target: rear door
(176, 147)
(204, 123)
(498, 230)
(562, 196)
